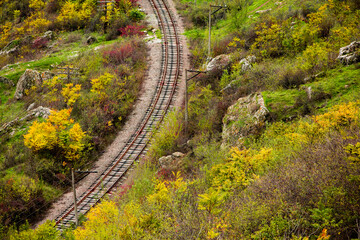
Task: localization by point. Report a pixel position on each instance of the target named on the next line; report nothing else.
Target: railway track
(136, 145)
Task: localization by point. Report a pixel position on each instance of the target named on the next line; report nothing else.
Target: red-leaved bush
(131, 30)
(119, 54)
(40, 43)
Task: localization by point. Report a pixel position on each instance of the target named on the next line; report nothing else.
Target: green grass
(339, 85)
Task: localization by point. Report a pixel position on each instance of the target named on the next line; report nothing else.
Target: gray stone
(90, 40)
(11, 48)
(166, 161)
(28, 79)
(31, 107)
(263, 11)
(246, 116)
(350, 54)
(49, 35)
(220, 61)
(230, 88)
(246, 63)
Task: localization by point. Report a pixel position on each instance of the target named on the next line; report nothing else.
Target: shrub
(58, 135)
(40, 43)
(20, 196)
(131, 30)
(136, 15)
(165, 139)
(119, 54)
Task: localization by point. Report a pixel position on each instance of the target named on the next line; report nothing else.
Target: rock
(246, 63)
(230, 88)
(6, 81)
(28, 79)
(350, 53)
(90, 40)
(49, 35)
(246, 116)
(171, 162)
(263, 11)
(313, 77)
(220, 61)
(178, 155)
(37, 112)
(31, 107)
(166, 161)
(308, 92)
(11, 48)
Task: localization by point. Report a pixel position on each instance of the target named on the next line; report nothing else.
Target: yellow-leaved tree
(58, 135)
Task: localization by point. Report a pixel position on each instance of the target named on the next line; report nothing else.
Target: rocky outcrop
(11, 48)
(171, 162)
(246, 116)
(28, 79)
(219, 62)
(350, 54)
(34, 113)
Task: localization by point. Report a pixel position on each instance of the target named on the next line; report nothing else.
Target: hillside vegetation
(46, 40)
(294, 175)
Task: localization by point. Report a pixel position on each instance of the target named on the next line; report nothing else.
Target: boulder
(28, 79)
(220, 61)
(171, 162)
(246, 116)
(90, 40)
(350, 53)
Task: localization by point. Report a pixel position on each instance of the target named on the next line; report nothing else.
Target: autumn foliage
(58, 134)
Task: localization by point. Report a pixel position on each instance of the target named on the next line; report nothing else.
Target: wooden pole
(209, 47)
(74, 192)
(186, 101)
(68, 73)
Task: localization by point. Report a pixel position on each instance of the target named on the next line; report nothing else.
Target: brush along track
(137, 144)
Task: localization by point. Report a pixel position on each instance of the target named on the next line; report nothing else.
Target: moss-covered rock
(246, 116)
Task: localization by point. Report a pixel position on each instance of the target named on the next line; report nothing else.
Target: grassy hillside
(295, 176)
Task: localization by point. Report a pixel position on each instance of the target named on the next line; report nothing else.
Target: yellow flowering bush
(71, 93)
(57, 132)
(74, 15)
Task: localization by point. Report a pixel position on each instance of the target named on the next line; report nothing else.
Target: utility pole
(211, 13)
(74, 192)
(197, 72)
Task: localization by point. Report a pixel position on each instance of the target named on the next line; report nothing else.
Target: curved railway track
(137, 144)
